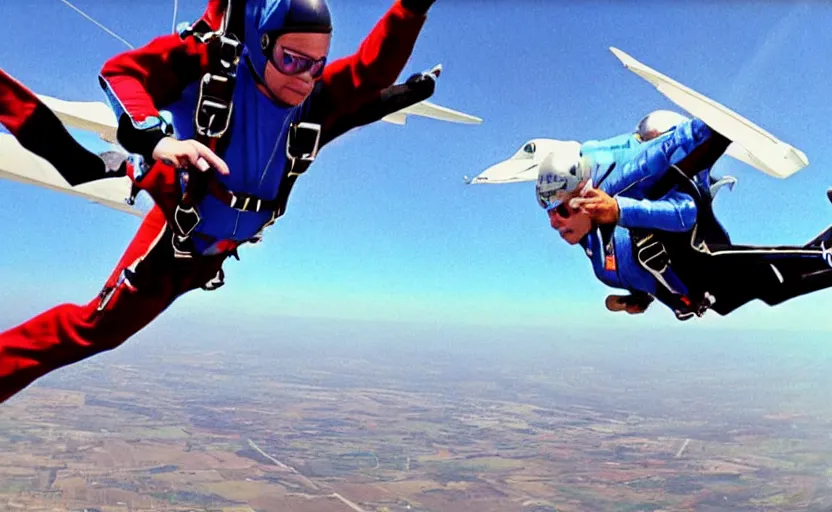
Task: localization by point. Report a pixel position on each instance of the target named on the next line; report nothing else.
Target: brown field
(394, 438)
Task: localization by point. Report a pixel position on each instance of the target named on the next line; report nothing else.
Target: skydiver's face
(569, 223)
(293, 52)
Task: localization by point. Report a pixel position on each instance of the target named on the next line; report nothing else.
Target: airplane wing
(507, 171)
(98, 118)
(521, 167)
(757, 147)
(432, 111)
(94, 116)
(20, 165)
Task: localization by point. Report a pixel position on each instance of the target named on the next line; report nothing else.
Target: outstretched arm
(416, 89)
(351, 82)
(676, 211)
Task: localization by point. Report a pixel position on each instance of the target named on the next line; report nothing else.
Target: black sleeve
(392, 99)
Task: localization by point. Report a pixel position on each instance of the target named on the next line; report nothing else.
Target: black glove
(424, 82)
(417, 6)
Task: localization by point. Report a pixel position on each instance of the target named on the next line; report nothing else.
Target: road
(305, 479)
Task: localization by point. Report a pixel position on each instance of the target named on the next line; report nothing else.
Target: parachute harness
(212, 121)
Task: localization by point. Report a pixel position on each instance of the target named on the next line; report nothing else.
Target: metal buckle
(648, 255)
(295, 150)
(107, 294)
(178, 243)
(184, 217)
(211, 109)
(258, 203)
(230, 50)
(209, 35)
(216, 90)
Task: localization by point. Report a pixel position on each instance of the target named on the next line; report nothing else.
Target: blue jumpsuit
(627, 169)
(256, 152)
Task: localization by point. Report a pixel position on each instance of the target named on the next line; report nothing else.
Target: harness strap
(301, 150)
(212, 117)
(213, 120)
(653, 257)
(686, 301)
(651, 249)
(216, 88)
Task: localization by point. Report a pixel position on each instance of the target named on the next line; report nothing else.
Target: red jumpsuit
(148, 278)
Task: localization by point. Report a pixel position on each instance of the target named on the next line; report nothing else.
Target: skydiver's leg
(740, 274)
(40, 131)
(70, 333)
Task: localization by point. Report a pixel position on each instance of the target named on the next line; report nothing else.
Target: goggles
(292, 63)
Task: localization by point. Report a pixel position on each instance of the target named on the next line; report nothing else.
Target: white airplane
(18, 164)
(751, 144)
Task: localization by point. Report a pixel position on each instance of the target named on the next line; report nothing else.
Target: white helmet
(561, 172)
(657, 123)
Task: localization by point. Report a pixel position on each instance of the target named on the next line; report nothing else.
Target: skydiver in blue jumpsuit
(622, 169)
(633, 205)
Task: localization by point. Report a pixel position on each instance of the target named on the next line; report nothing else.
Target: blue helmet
(266, 20)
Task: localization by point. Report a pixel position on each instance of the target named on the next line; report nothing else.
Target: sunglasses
(563, 211)
(291, 63)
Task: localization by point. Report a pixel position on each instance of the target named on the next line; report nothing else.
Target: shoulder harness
(673, 258)
(212, 121)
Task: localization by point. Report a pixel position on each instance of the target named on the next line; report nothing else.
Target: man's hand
(598, 206)
(184, 154)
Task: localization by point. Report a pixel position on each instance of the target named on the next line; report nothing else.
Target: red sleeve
(352, 81)
(138, 80)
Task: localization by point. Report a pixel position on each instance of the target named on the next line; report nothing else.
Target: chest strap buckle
(216, 89)
(302, 146)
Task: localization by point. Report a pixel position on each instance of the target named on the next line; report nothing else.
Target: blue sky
(382, 228)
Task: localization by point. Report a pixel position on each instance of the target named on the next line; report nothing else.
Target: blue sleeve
(656, 158)
(676, 211)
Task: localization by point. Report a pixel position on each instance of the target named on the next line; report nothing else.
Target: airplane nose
(508, 171)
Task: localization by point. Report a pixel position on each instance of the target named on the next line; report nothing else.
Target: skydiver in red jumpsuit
(214, 192)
